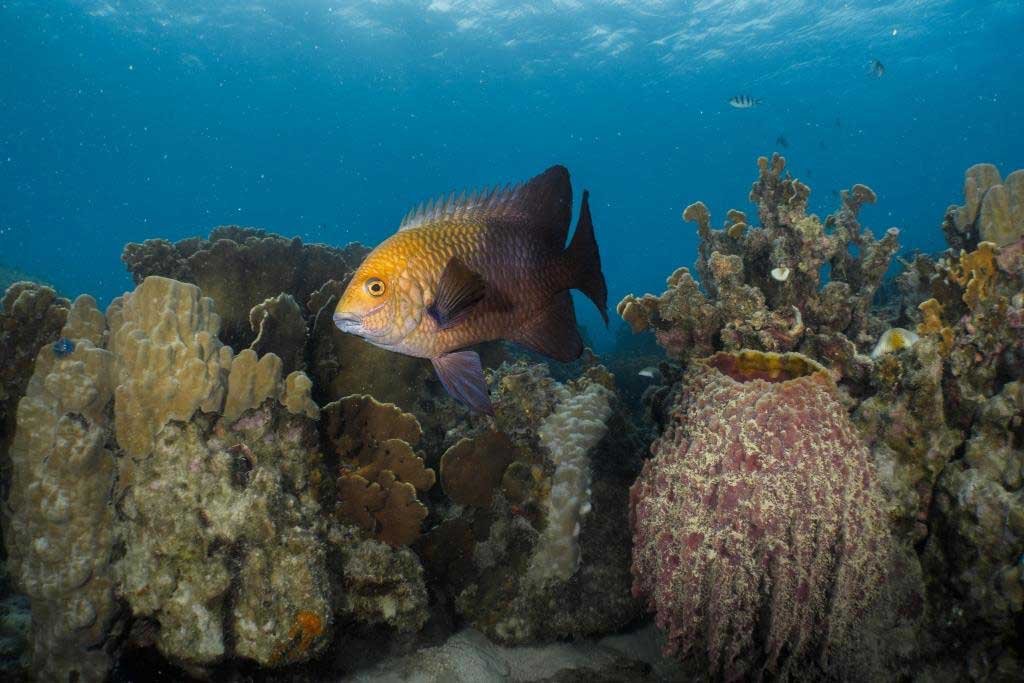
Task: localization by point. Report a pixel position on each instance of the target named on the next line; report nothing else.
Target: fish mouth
(348, 322)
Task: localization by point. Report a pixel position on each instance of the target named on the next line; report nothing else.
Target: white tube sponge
(569, 433)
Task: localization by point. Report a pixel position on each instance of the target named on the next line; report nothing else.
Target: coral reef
(215, 513)
(929, 376)
(59, 524)
(993, 209)
(905, 425)
(762, 287)
(240, 268)
(382, 585)
(380, 472)
(544, 553)
(31, 316)
(759, 535)
(977, 540)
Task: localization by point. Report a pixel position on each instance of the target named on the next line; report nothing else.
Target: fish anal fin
(458, 290)
(553, 332)
(463, 376)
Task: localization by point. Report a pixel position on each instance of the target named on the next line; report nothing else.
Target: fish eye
(375, 286)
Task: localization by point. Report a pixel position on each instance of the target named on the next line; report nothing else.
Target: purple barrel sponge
(759, 536)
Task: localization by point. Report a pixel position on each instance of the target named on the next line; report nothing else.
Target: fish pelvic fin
(584, 261)
(553, 331)
(463, 377)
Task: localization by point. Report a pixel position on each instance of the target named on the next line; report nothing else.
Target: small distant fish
(782, 141)
(822, 145)
(838, 124)
(650, 372)
(876, 68)
(63, 347)
(478, 268)
(743, 102)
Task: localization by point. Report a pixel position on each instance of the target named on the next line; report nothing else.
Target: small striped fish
(743, 102)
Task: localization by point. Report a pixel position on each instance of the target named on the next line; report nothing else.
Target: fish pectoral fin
(463, 376)
(553, 332)
(459, 289)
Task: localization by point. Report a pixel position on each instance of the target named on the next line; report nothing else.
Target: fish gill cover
(201, 475)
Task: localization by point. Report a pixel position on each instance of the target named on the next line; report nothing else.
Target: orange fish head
(373, 306)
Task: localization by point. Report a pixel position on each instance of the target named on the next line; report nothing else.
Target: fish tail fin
(585, 261)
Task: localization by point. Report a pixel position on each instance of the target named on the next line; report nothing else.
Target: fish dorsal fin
(543, 203)
(553, 332)
(459, 289)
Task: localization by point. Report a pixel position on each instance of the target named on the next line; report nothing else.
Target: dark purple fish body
(465, 270)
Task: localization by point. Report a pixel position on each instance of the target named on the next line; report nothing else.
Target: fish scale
(470, 269)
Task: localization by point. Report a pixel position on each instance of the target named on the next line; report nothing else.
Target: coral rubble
(758, 527)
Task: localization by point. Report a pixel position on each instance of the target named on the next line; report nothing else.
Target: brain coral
(758, 531)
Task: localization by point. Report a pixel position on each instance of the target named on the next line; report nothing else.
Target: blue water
(121, 120)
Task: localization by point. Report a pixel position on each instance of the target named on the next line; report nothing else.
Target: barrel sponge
(568, 434)
(759, 536)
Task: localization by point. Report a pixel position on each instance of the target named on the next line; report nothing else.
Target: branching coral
(762, 286)
(759, 536)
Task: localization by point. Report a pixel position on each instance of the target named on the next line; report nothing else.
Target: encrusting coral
(758, 529)
(762, 287)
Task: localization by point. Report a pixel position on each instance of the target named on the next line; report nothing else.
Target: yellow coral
(931, 323)
(698, 213)
(976, 272)
(631, 310)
